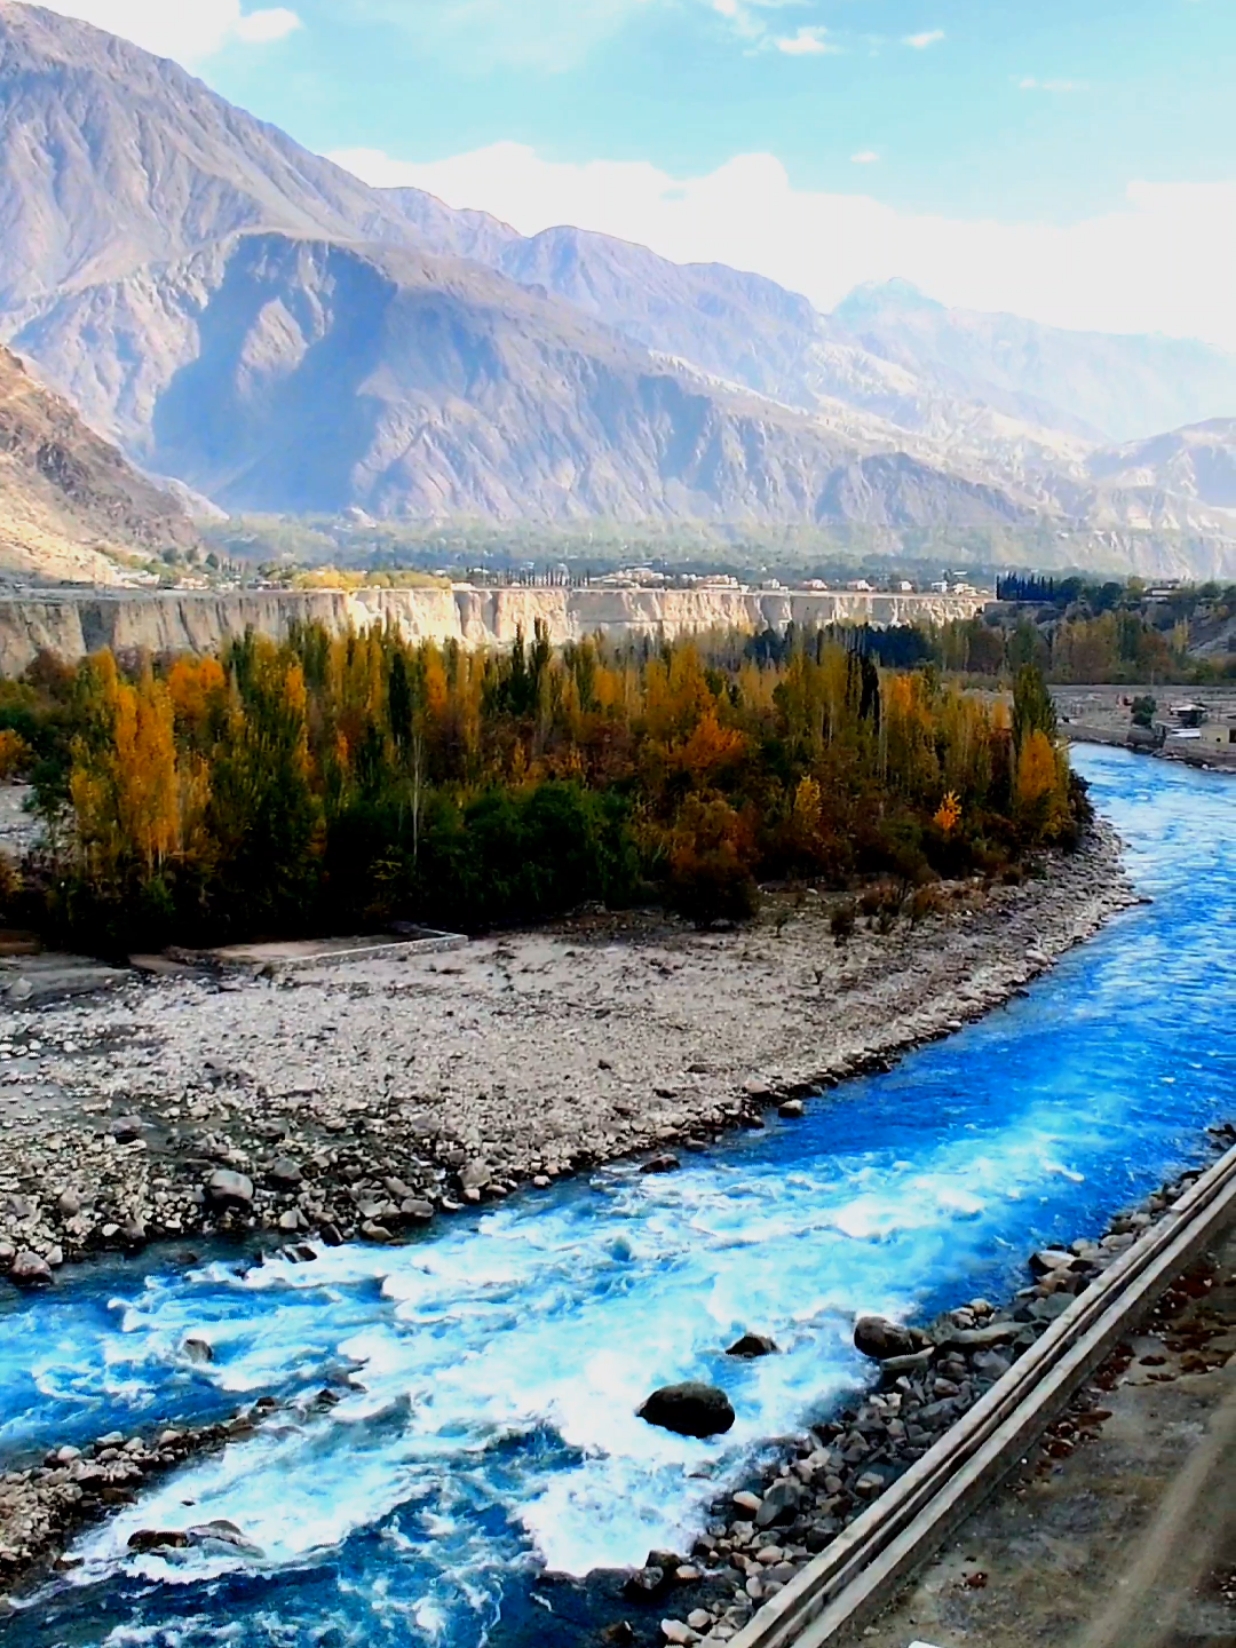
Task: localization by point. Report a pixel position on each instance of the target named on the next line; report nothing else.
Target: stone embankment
(73, 623)
(362, 1100)
(761, 1536)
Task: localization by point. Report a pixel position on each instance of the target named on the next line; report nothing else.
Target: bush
(711, 864)
(511, 857)
(880, 898)
(16, 756)
(841, 921)
(924, 902)
(10, 888)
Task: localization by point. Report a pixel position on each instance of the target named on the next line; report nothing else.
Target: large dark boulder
(31, 1271)
(877, 1337)
(228, 1190)
(690, 1410)
(752, 1345)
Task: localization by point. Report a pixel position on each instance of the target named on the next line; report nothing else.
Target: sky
(1070, 160)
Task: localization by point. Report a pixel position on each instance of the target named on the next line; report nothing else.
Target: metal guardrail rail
(866, 1565)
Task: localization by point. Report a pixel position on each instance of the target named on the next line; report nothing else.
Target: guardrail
(867, 1565)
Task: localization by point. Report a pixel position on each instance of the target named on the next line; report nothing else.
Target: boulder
(227, 1189)
(476, 1175)
(222, 1532)
(676, 1632)
(989, 1364)
(792, 1109)
(644, 1582)
(29, 1270)
(1048, 1259)
(690, 1409)
(159, 1539)
(877, 1337)
(126, 1128)
(780, 1502)
(665, 1163)
(895, 1367)
(984, 1338)
(284, 1173)
(752, 1345)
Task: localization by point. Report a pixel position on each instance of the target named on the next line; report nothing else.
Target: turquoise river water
(489, 1374)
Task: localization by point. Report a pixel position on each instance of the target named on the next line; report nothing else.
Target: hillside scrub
(1079, 632)
(328, 784)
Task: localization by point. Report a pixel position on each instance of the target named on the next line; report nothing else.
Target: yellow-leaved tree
(124, 783)
(1041, 793)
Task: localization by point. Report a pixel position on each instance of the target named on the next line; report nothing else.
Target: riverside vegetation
(327, 782)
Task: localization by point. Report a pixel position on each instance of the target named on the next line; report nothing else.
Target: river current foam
(487, 1377)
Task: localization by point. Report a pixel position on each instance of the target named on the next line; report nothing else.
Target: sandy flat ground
(516, 1056)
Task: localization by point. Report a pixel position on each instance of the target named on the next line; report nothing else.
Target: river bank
(924, 1378)
(360, 1101)
(481, 1442)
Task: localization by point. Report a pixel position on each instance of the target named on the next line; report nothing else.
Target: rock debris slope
(69, 503)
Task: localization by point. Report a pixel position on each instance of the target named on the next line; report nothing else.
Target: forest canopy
(329, 783)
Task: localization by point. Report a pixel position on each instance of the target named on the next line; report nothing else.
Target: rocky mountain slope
(111, 159)
(275, 373)
(253, 320)
(1099, 386)
(1183, 481)
(256, 322)
(70, 506)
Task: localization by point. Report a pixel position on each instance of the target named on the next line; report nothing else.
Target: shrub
(711, 864)
(841, 921)
(16, 756)
(924, 902)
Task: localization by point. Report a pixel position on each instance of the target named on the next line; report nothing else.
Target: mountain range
(254, 321)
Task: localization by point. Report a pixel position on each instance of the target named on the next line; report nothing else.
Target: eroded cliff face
(71, 624)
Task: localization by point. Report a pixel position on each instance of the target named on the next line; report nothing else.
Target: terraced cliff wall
(72, 624)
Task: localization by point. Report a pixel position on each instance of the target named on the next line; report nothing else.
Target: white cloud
(920, 42)
(865, 157)
(808, 42)
(1159, 261)
(259, 27)
(188, 30)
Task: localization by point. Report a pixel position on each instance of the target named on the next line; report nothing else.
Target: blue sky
(1001, 118)
(1124, 89)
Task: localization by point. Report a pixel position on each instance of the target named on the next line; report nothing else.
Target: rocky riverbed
(929, 1376)
(43, 1504)
(361, 1101)
(926, 1377)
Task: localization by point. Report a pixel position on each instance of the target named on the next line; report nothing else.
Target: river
(487, 1377)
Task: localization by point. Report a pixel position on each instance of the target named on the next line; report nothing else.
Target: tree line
(330, 782)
